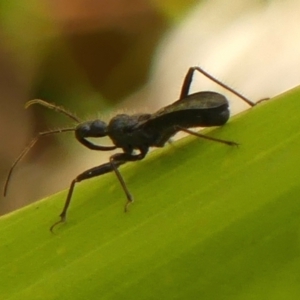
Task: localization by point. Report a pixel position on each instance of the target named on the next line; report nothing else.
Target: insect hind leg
(188, 81)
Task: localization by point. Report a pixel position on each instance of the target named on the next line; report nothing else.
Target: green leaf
(209, 222)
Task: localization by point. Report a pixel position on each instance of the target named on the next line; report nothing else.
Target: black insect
(139, 132)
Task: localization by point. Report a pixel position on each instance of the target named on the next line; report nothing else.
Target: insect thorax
(122, 129)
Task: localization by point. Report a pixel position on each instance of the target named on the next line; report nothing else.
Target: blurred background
(97, 58)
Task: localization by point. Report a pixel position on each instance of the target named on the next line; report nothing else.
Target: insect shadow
(139, 132)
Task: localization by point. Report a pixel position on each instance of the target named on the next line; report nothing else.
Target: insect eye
(95, 128)
(98, 128)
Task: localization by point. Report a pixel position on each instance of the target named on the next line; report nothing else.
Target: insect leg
(90, 173)
(187, 83)
(229, 143)
(189, 77)
(114, 159)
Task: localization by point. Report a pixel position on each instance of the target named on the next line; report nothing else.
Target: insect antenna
(45, 133)
(25, 151)
(57, 108)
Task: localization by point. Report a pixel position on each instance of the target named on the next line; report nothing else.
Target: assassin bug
(139, 132)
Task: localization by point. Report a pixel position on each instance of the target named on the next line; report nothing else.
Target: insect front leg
(114, 159)
(90, 173)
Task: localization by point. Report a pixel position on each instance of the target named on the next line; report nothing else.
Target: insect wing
(191, 105)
